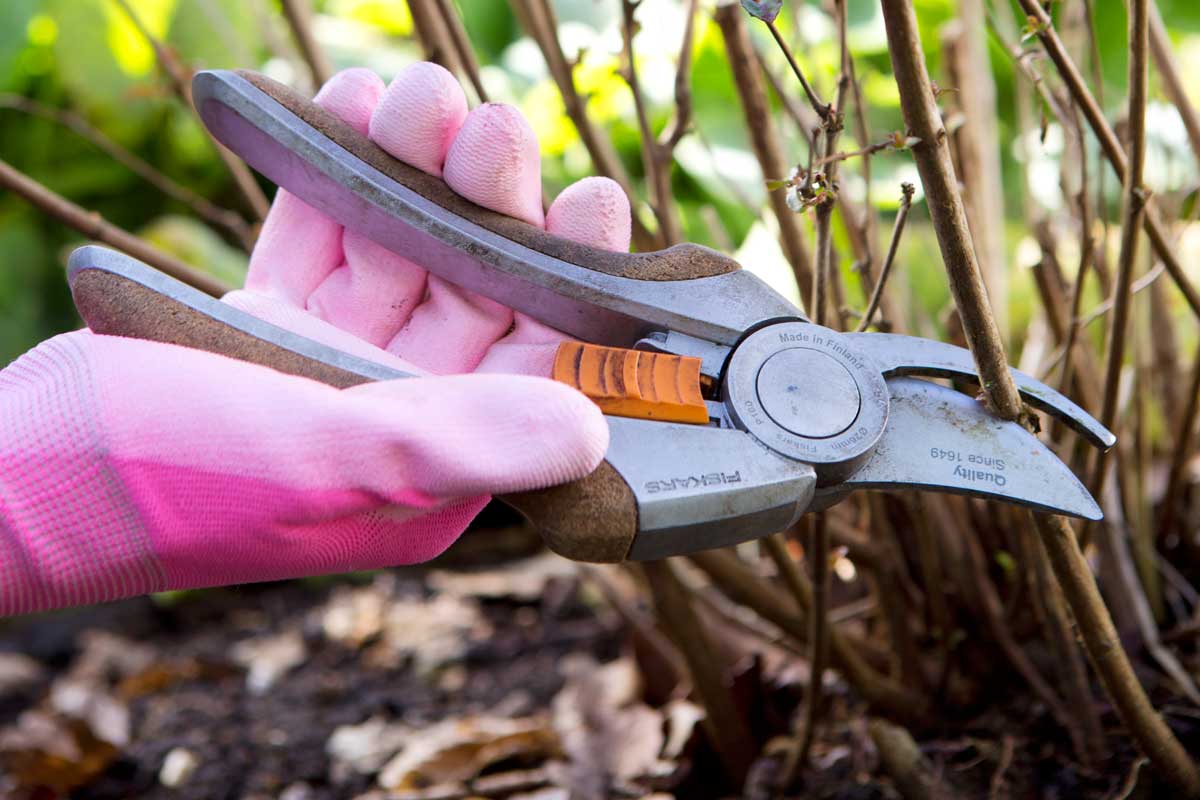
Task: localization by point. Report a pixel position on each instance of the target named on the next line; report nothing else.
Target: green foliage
(766, 10)
(85, 55)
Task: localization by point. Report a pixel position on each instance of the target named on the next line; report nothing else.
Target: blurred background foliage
(86, 56)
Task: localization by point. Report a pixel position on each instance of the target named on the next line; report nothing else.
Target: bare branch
(180, 78)
(655, 158)
(299, 18)
(822, 109)
(764, 139)
(462, 46)
(95, 227)
(728, 729)
(906, 196)
(932, 154)
(1133, 200)
(223, 217)
(1172, 84)
(538, 19)
(1111, 146)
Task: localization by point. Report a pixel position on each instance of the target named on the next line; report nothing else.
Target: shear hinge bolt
(808, 393)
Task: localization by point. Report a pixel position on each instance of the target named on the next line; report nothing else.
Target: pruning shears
(730, 413)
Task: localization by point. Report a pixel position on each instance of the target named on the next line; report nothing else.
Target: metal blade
(120, 296)
(942, 440)
(910, 355)
(592, 305)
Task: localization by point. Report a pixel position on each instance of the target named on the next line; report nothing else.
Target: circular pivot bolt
(808, 393)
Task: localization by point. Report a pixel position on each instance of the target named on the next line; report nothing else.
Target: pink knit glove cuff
(129, 467)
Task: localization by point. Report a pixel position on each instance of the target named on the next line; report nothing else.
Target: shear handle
(595, 295)
(591, 519)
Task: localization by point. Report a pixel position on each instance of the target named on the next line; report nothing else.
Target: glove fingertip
(419, 115)
(352, 95)
(495, 162)
(571, 435)
(592, 211)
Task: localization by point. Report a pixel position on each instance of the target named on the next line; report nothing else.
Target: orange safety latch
(634, 383)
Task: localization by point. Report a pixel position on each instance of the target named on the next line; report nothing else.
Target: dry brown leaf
(54, 753)
(609, 735)
(178, 765)
(355, 616)
(106, 717)
(523, 580)
(457, 750)
(105, 657)
(682, 718)
(269, 658)
(366, 747)
(18, 671)
(433, 632)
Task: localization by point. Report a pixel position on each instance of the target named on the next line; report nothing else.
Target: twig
(1071, 666)
(430, 26)
(1133, 199)
(1172, 85)
(862, 151)
(462, 46)
(803, 118)
(1070, 567)
(1110, 661)
(903, 760)
(727, 727)
(1131, 780)
(229, 220)
(764, 139)
(1179, 455)
(180, 79)
(976, 146)
(682, 120)
(818, 634)
(94, 226)
(744, 587)
(822, 109)
(906, 196)
(776, 548)
(993, 612)
(996, 784)
(932, 155)
(1109, 144)
(538, 19)
(656, 158)
(1087, 249)
(299, 18)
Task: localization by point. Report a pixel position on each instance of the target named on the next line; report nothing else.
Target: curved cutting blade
(942, 440)
(911, 355)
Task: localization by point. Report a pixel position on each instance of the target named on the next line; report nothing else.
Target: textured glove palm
(129, 467)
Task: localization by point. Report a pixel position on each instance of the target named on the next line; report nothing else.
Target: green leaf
(1189, 204)
(766, 10)
(773, 185)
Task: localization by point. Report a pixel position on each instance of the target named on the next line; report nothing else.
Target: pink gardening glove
(129, 467)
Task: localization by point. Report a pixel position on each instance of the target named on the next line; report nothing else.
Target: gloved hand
(129, 467)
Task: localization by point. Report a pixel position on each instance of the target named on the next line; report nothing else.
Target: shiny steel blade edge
(938, 439)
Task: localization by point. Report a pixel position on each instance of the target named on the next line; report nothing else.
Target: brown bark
(1155, 228)
(932, 154)
(977, 147)
(764, 140)
(299, 17)
(538, 19)
(92, 225)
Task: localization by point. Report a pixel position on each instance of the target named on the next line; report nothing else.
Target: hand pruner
(730, 413)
